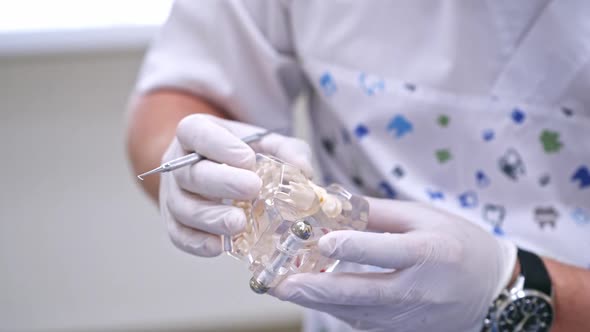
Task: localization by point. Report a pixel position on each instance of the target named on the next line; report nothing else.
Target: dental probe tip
(153, 171)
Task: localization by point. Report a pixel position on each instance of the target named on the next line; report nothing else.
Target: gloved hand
(447, 272)
(191, 197)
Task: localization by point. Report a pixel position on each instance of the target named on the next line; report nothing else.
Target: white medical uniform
(481, 108)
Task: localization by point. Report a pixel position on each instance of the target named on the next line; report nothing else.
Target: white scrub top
(481, 108)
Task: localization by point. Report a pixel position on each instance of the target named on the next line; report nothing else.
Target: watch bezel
(516, 295)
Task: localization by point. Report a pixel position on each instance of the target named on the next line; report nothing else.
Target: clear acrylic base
(286, 220)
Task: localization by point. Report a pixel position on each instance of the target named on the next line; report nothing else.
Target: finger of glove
(289, 149)
(193, 241)
(387, 215)
(239, 129)
(193, 211)
(393, 251)
(213, 180)
(292, 150)
(213, 139)
(338, 288)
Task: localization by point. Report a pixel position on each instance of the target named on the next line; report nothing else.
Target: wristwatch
(528, 304)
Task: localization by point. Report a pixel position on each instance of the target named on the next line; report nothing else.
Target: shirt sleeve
(236, 54)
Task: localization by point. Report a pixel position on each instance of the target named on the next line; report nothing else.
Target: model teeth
(332, 206)
(300, 195)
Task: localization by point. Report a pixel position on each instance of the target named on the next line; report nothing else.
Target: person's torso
(480, 110)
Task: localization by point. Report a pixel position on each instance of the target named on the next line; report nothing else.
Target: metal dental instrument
(194, 157)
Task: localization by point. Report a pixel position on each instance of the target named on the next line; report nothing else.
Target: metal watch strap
(534, 271)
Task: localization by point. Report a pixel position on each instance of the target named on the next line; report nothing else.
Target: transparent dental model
(286, 220)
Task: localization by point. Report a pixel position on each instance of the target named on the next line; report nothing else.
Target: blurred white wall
(81, 248)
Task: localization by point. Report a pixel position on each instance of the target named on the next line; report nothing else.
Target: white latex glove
(191, 197)
(447, 272)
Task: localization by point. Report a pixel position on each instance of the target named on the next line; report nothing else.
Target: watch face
(529, 311)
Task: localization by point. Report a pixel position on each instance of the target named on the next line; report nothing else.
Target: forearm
(152, 126)
(571, 288)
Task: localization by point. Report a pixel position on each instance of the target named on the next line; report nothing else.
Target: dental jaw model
(287, 219)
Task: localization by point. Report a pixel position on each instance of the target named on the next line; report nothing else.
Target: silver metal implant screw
(300, 229)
